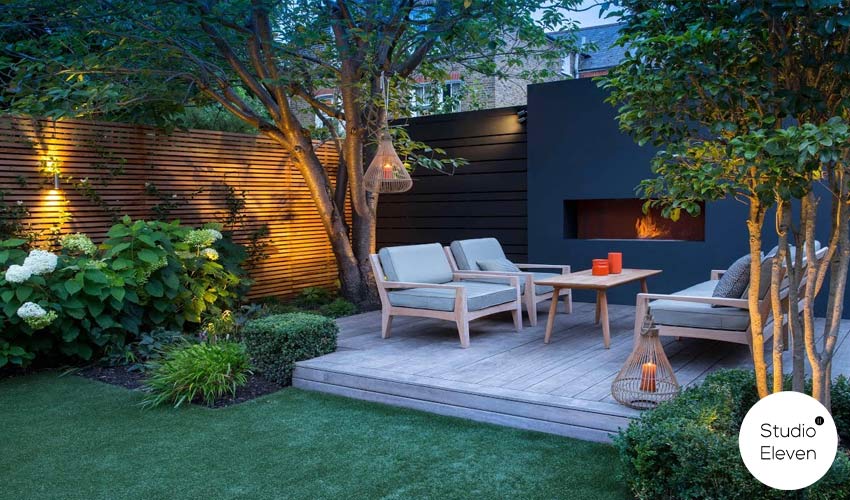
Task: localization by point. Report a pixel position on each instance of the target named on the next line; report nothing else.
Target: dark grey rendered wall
(576, 151)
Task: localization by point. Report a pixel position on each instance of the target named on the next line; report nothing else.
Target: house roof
(605, 55)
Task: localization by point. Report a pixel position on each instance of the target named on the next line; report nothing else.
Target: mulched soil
(119, 375)
(115, 375)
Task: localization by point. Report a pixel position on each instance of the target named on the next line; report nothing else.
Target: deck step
(581, 419)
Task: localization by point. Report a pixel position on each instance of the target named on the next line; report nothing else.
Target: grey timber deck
(505, 377)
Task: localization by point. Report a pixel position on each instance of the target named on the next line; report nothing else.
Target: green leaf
(75, 312)
(121, 263)
(96, 308)
(14, 242)
(118, 293)
(7, 295)
(23, 292)
(73, 286)
(147, 240)
(154, 288)
(148, 256)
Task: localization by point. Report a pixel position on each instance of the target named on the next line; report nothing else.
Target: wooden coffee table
(584, 280)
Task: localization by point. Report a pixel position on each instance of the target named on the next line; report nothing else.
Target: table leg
(553, 309)
(596, 321)
(602, 300)
(643, 287)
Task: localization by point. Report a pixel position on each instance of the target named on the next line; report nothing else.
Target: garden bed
(123, 376)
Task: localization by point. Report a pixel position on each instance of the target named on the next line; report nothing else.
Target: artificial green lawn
(67, 437)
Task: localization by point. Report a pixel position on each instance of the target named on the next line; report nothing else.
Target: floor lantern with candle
(647, 378)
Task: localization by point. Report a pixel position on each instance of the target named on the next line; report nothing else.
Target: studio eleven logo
(788, 441)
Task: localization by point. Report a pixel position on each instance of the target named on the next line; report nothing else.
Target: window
(452, 96)
(429, 98)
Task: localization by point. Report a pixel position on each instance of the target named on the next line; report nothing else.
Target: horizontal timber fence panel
(108, 170)
(485, 198)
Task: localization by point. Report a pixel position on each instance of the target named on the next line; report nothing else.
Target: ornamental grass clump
(196, 372)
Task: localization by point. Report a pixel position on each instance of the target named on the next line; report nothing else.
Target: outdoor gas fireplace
(624, 219)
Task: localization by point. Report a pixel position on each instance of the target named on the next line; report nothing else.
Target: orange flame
(647, 227)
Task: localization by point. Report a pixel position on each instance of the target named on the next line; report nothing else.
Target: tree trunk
(754, 226)
(808, 212)
(777, 275)
(793, 268)
(838, 264)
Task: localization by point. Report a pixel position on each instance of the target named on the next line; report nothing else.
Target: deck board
(507, 377)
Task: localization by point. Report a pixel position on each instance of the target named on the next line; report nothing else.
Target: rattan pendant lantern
(386, 172)
(647, 378)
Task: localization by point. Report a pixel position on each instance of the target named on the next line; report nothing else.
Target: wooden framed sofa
(417, 280)
(468, 256)
(695, 313)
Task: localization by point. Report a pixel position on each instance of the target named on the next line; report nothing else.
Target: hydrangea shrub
(87, 300)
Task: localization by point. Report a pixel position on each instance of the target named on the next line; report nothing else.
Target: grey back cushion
(793, 250)
(468, 253)
(416, 263)
(503, 265)
(735, 280)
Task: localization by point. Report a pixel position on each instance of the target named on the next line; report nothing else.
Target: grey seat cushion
(468, 253)
(416, 263)
(478, 296)
(696, 315)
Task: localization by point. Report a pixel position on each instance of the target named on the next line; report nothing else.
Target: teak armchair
(463, 256)
(417, 280)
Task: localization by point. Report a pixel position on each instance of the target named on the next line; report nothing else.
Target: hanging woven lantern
(647, 378)
(386, 173)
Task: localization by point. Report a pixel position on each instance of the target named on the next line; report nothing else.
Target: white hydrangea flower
(198, 238)
(18, 274)
(41, 262)
(31, 310)
(210, 253)
(78, 243)
(35, 316)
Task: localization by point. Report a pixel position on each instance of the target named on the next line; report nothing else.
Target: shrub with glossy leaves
(196, 372)
(688, 448)
(276, 342)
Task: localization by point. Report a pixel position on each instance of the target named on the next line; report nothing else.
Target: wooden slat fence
(148, 173)
(485, 198)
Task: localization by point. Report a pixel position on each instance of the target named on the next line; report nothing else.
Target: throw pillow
(503, 265)
(735, 280)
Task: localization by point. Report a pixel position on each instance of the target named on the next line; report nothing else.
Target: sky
(589, 17)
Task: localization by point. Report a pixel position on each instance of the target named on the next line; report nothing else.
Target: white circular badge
(788, 440)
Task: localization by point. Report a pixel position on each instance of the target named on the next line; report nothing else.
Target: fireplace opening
(623, 219)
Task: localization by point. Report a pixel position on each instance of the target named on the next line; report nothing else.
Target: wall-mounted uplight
(50, 166)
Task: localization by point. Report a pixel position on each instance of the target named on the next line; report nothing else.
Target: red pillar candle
(388, 171)
(615, 262)
(647, 377)
(600, 267)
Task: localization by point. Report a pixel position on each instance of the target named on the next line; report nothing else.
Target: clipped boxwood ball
(276, 342)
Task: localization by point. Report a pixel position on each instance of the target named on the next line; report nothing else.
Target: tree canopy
(265, 60)
(748, 99)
